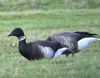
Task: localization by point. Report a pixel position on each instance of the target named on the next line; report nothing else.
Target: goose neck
(22, 39)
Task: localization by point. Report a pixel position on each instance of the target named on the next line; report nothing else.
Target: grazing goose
(37, 49)
(73, 41)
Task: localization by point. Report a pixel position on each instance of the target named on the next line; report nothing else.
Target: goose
(37, 49)
(73, 42)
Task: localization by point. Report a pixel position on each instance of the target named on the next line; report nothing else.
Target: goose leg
(67, 52)
(67, 55)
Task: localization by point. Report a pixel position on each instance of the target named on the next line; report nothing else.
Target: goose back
(69, 39)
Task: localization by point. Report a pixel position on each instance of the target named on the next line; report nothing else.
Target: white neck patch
(22, 38)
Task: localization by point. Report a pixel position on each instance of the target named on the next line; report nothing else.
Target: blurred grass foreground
(19, 5)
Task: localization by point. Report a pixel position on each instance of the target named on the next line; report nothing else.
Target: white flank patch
(59, 52)
(85, 42)
(47, 52)
(99, 39)
(21, 38)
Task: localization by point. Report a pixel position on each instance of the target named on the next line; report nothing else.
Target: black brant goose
(37, 49)
(73, 41)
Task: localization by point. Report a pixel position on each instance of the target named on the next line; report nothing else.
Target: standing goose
(73, 41)
(37, 49)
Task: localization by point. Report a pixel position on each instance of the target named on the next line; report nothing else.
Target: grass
(19, 5)
(38, 25)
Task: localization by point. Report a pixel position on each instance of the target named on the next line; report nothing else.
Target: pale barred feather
(67, 41)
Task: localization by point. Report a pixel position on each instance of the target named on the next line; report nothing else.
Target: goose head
(17, 32)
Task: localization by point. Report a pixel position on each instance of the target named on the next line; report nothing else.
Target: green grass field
(19, 5)
(38, 25)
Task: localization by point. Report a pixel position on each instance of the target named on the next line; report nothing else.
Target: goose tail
(86, 33)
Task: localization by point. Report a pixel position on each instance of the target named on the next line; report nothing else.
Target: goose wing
(70, 39)
(84, 35)
(66, 41)
(76, 35)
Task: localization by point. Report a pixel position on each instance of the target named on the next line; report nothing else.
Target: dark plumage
(84, 35)
(37, 49)
(74, 41)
